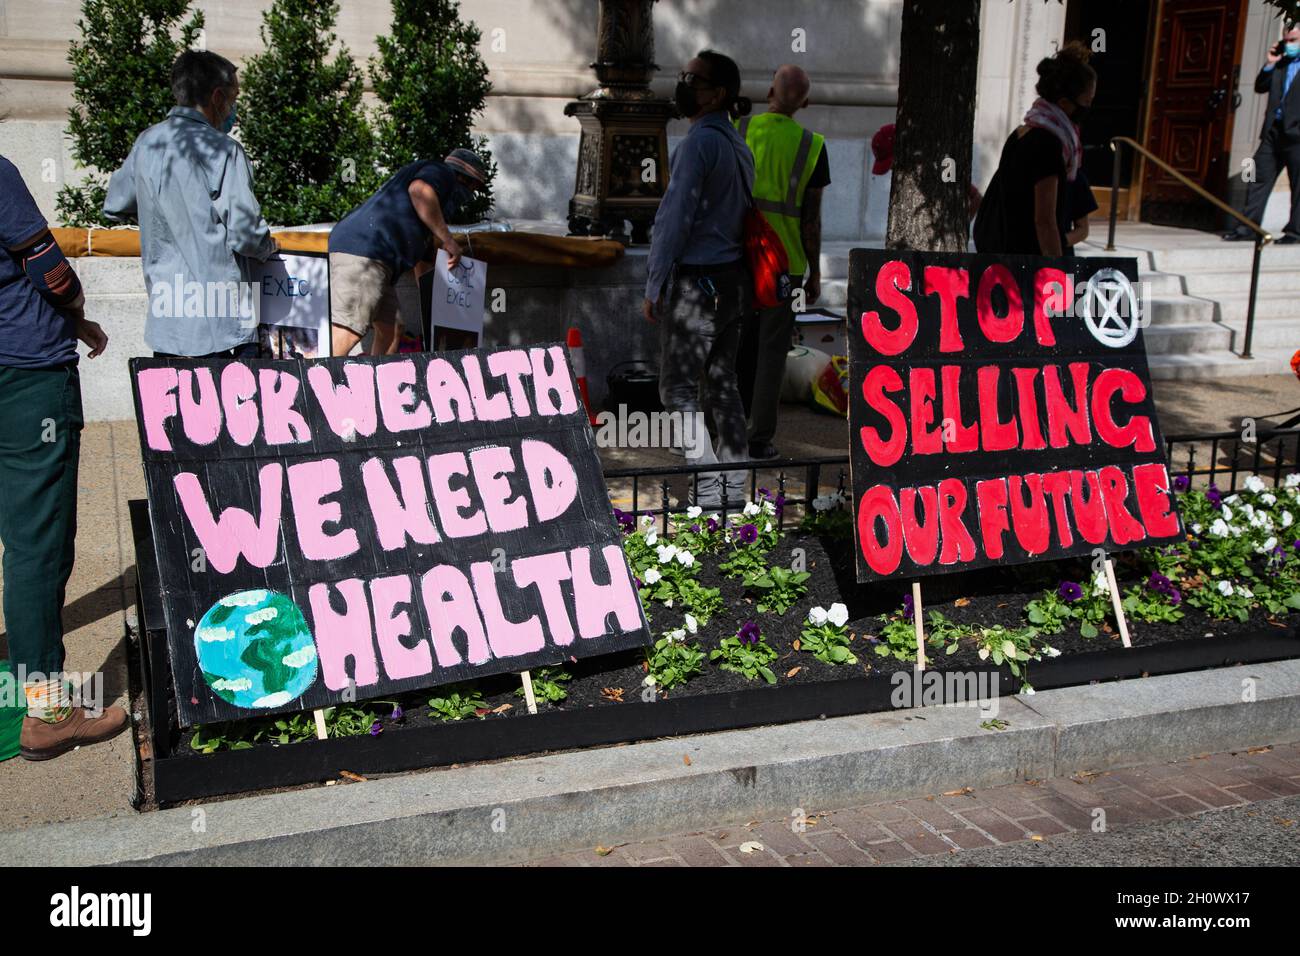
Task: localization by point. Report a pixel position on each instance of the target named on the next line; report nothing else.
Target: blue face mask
(229, 124)
(1292, 50)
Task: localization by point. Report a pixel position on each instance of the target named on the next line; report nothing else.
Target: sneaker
(1288, 240)
(44, 741)
(1237, 235)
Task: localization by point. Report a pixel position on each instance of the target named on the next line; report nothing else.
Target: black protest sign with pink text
(1000, 412)
(345, 529)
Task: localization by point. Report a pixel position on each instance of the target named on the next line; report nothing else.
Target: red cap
(882, 147)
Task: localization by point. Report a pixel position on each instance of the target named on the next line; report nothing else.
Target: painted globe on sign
(255, 649)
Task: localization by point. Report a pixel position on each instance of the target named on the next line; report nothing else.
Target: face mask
(687, 102)
(229, 123)
(1292, 50)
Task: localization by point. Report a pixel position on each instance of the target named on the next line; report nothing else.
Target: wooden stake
(529, 697)
(321, 733)
(1116, 603)
(920, 627)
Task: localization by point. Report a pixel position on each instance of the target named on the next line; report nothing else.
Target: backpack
(769, 266)
(990, 231)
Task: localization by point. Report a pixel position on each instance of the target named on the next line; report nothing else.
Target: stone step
(1223, 364)
(1236, 256)
(1271, 306)
(1188, 338)
(1214, 284)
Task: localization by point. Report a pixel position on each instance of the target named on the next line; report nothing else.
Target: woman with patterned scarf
(1026, 209)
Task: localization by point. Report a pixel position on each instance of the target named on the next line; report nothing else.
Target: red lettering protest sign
(1000, 412)
(344, 529)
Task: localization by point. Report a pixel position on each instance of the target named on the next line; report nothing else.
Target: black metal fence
(1219, 458)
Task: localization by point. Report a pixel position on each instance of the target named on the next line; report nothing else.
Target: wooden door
(1194, 97)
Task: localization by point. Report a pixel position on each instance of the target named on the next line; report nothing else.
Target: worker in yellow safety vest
(790, 172)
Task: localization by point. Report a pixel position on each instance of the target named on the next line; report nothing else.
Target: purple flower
(1182, 483)
(376, 729)
(1215, 496)
(747, 533)
(763, 493)
(1069, 591)
(749, 633)
(1159, 583)
(397, 713)
(626, 522)
(1175, 596)
(909, 609)
(712, 525)
(695, 529)
(780, 505)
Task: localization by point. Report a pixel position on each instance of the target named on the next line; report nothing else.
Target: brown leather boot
(45, 741)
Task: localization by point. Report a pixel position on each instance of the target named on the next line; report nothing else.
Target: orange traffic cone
(579, 362)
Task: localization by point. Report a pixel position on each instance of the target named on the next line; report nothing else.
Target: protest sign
(454, 318)
(1000, 412)
(348, 528)
(294, 305)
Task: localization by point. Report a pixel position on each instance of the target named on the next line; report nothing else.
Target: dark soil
(992, 596)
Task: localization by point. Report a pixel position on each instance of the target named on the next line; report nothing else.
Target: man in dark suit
(1279, 144)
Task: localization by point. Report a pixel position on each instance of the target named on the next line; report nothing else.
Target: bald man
(790, 172)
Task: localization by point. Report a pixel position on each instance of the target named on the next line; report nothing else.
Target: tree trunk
(937, 77)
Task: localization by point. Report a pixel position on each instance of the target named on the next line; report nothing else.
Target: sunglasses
(695, 81)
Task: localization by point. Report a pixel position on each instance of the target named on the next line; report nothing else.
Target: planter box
(171, 777)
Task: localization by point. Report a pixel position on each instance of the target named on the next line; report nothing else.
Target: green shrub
(431, 83)
(121, 85)
(301, 118)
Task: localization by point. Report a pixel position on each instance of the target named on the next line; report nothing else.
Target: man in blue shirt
(376, 244)
(1279, 144)
(41, 319)
(190, 187)
(697, 286)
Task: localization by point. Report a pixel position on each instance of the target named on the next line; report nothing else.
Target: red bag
(769, 266)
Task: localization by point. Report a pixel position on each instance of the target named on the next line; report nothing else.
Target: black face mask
(688, 104)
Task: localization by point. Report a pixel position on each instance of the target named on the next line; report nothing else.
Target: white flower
(1219, 529)
(651, 576)
(1269, 545)
(1255, 483)
(692, 625)
(817, 616)
(1225, 588)
(1227, 513)
(1245, 591)
(823, 503)
(676, 637)
(1292, 480)
(838, 614)
(1051, 652)
(694, 511)
(1196, 529)
(651, 537)
(1099, 584)
(1287, 519)
(984, 653)
(1231, 499)
(1268, 499)
(752, 509)
(685, 558)
(767, 528)
(666, 552)
(648, 682)
(1028, 691)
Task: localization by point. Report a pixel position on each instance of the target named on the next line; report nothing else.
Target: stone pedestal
(623, 151)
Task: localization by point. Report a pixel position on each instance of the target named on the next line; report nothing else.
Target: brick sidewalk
(969, 819)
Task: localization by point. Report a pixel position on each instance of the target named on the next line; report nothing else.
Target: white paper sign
(458, 295)
(295, 290)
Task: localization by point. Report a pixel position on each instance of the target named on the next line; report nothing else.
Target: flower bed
(742, 605)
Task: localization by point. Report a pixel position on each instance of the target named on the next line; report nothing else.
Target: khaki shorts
(361, 292)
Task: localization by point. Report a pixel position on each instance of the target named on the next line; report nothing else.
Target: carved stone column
(623, 152)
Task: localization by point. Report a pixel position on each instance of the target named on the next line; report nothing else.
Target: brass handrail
(1262, 236)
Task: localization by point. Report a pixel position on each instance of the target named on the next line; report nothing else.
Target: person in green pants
(41, 319)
